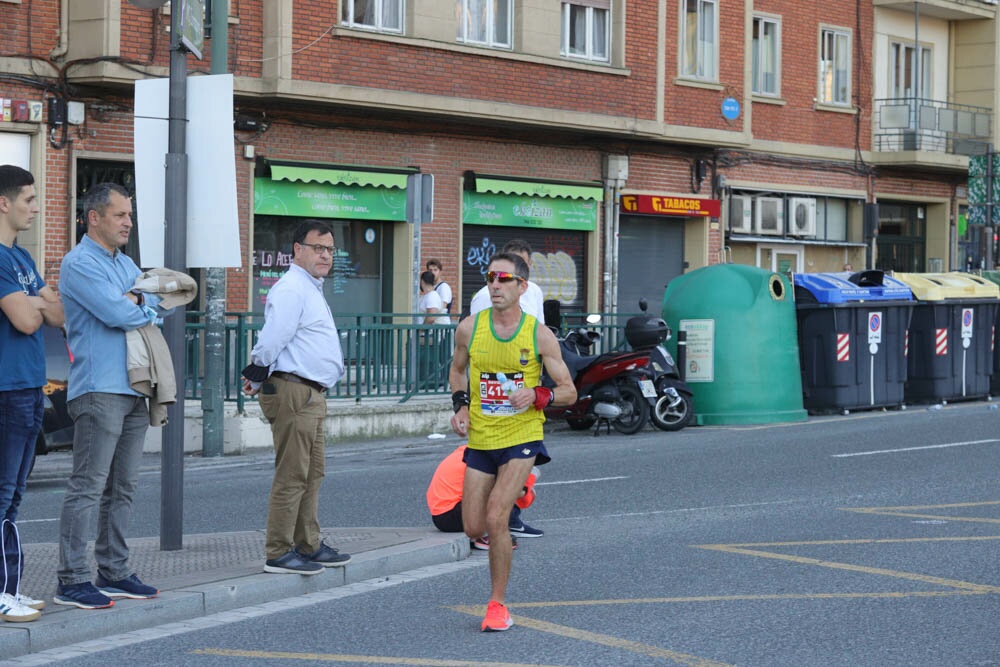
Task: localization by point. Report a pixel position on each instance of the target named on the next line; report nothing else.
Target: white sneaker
(14, 612)
(29, 601)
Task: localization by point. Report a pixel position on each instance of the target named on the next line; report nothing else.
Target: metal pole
(682, 355)
(414, 345)
(990, 263)
(175, 255)
(212, 406)
(916, 71)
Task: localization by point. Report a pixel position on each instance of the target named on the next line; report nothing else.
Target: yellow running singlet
(494, 423)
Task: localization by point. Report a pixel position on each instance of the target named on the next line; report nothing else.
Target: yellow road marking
(912, 511)
(885, 540)
(914, 515)
(597, 638)
(927, 507)
(911, 576)
(963, 588)
(746, 598)
(364, 659)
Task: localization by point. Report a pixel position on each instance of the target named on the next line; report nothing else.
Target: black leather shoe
(292, 563)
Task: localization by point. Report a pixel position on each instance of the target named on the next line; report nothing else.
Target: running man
(503, 349)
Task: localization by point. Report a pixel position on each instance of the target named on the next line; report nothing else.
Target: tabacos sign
(664, 205)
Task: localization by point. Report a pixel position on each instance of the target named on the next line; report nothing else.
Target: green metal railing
(385, 354)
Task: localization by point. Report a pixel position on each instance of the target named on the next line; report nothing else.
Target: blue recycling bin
(852, 339)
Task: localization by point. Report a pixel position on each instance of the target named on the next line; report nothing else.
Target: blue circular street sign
(730, 108)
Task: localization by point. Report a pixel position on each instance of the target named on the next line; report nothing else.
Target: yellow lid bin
(950, 340)
(941, 286)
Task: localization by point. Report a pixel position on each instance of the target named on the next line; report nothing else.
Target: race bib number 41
(494, 393)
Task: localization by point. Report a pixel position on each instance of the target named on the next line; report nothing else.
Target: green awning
(380, 179)
(539, 188)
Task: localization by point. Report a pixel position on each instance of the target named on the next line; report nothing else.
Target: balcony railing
(917, 124)
(385, 354)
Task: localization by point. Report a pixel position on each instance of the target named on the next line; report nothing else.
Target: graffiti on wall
(557, 260)
(478, 257)
(555, 273)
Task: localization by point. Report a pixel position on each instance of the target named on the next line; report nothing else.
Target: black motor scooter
(673, 406)
(613, 388)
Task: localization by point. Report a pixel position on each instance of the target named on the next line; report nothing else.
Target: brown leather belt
(292, 377)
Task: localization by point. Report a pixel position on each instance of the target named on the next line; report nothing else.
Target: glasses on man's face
(502, 276)
(319, 249)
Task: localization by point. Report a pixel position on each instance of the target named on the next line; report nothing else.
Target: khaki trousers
(297, 414)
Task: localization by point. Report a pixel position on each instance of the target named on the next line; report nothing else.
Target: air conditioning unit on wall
(770, 216)
(740, 214)
(802, 216)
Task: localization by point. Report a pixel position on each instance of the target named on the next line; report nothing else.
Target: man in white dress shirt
(296, 359)
(531, 300)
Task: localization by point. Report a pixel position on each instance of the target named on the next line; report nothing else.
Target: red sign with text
(663, 205)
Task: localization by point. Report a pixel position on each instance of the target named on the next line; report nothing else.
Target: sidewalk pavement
(212, 573)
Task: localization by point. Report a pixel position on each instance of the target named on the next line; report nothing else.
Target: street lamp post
(175, 257)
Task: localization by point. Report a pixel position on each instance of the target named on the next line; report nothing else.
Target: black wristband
(459, 400)
(255, 373)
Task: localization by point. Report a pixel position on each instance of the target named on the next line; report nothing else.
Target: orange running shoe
(497, 618)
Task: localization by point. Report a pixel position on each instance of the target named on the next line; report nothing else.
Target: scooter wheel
(667, 417)
(635, 411)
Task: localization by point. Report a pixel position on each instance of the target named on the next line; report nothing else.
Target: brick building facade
(761, 132)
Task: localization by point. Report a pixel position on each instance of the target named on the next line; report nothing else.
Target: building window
(381, 15)
(700, 39)
(766, 54)
(903, 71)
(586, 29)
(485, 22)
(835, 67)
(831, 219)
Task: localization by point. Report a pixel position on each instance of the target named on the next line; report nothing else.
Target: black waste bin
(994, 277)
(852, 340)
(951, 336)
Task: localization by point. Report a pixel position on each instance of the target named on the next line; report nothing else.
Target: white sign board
(967, 321)
(213, 225)
(874, 328)
(15, 149)
(700, 362)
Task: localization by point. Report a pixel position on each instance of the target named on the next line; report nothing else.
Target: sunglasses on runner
(502, 276)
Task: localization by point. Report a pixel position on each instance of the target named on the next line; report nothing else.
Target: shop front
(366, 208)
(652, 248)
(795, 232)
(557, 218)
(914, 236)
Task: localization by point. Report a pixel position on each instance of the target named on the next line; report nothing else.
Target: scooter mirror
(594, 318)
(643, 304)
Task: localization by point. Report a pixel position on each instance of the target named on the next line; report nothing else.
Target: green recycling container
(742, 353)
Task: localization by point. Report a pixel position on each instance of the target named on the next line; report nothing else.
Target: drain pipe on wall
(63, 46)
(610, 195)
(616, 173)
(615, 218)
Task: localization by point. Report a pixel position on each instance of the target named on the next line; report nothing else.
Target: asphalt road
(870, 539)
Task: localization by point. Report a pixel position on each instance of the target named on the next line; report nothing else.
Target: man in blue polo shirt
(26, 303)
(110, 419)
